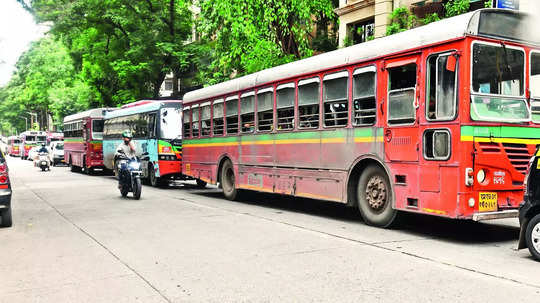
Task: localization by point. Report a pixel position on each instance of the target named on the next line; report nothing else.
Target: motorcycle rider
(43, 149)
(128, 148)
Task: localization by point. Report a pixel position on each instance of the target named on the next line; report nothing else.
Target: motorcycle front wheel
(137, 188)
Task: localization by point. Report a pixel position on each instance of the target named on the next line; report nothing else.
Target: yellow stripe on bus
(500, 140)
(434, 211)
(288, 141)
(265, 189)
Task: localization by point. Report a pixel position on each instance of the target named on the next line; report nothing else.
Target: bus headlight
(481, 176)
(471, 202)
(135, 165)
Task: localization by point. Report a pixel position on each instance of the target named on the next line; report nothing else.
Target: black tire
(532, 236)
(137, 188)
(228, 181)
(375, 197)
(6, 218)
(201, 183)
(152, 179)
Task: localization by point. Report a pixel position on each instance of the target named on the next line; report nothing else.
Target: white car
(56, 153)
(33, 153)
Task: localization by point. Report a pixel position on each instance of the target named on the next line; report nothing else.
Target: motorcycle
(129, 175)
(42, 161)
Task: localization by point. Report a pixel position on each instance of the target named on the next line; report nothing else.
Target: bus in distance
(14, 144)
(435, 120)
(30, 139)
(83, 140)
(157, 132)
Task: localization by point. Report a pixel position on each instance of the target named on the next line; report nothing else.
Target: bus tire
(154, 181)
(228, 181)
(375, 197)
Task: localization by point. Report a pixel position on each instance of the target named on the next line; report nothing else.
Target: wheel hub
(535, 237)
(376, 192)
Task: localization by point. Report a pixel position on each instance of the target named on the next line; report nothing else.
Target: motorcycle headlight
(135, 165)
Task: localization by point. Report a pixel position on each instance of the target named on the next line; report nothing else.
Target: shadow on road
(450, 230)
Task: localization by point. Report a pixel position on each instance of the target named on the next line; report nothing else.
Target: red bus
(435, 120)
(83, 140)
(52, 137)
(31, 139)
(14, 144)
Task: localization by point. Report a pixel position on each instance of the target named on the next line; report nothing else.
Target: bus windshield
(30, 138)
(97, 129)
(17, 141)
(41, 138)
(171, 123)
(498, 84)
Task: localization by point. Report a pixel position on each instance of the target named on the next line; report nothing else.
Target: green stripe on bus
(500, 132)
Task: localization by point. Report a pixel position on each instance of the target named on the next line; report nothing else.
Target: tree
(123, 48)
(249, 36)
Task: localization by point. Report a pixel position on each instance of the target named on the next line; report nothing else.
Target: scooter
(529, 211)
(42, 161)
(129, 175)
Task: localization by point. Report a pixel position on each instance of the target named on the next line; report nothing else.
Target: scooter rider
(43, 149)
(126, 149)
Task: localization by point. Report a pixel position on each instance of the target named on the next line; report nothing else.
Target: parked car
(529, 211)
(5, 193)
(56, 153)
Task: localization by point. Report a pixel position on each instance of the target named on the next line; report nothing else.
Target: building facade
(363, 20)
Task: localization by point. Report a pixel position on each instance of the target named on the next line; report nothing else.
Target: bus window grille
(519, 156)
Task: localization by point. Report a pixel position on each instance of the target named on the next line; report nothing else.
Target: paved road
(76, 240)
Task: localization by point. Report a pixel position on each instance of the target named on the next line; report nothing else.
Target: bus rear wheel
(375, 197)
(228, 181)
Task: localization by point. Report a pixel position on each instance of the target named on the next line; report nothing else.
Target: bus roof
(91, 113)
(499, 23)
(141, 107)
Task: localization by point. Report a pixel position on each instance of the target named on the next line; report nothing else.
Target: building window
(362, 31)
(168, 85)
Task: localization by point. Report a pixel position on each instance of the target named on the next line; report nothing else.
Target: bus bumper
(512, 213)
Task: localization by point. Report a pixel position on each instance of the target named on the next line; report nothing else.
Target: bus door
(400, 77)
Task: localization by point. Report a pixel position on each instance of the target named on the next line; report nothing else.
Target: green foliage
(253, 35)
(456, 7)
(488, 3)
(401, 19)
(45, 82)
(430, 18)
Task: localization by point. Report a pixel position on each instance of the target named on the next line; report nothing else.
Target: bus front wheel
(374, 196)
(154, 181)
(228, 181)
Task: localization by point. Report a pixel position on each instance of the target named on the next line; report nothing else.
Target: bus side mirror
(451, 63)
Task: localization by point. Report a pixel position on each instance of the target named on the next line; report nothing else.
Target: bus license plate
(487, 202)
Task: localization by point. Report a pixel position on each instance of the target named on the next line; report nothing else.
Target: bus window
(442, 89)
(187, 123)
(437, 144)
(265, 109)
(308, 103)
(247, 112)
(231, 110)
(218, 117)
(205, 119)
(152, 125)
(335, 99)
(195, 121)
(285, 106)
(364, 105)
(97, 129)
(402, 85)
(535, 86)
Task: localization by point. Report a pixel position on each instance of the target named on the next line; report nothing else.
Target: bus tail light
(469, 176)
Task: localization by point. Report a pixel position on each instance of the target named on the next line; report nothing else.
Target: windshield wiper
(508, 67)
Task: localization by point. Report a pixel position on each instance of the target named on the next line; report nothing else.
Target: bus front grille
(519, 156)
